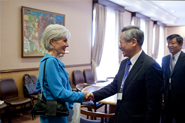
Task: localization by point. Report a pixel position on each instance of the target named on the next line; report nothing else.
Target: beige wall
(78, 18)
(166, 51)
(176, 30)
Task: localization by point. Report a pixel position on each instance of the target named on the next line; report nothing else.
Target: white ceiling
(157, 10)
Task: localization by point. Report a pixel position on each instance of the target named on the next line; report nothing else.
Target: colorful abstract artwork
(34, 22)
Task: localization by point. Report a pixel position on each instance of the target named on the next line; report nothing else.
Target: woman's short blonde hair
(55, 32)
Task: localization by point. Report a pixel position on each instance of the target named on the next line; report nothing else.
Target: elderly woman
(56, 84)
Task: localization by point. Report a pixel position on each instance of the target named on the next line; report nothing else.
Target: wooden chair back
(78, 77)
(93, 115)
(88, 75)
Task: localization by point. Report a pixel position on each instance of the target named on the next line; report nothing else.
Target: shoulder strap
(43, 77)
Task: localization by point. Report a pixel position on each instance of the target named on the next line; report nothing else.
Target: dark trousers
(170, 112)
(0, 118)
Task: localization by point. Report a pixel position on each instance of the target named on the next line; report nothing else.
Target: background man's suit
(141, 100)
(177, 86)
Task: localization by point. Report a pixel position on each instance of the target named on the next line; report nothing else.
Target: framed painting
(34, 21)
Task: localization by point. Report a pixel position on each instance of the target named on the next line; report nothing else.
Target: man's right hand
(89, 96)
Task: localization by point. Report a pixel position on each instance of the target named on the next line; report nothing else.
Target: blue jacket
(56, 84)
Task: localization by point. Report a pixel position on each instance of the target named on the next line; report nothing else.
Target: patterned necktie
(172, 63)
(126, 73)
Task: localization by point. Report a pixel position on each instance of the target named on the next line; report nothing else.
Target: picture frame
(34, 21)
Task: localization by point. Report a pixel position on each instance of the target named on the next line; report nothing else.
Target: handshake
(88, 96)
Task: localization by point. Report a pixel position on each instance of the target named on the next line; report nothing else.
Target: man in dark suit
(173, 67)
(138, 82)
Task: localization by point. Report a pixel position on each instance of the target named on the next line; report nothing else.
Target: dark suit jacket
(142, 93)
(177, 82)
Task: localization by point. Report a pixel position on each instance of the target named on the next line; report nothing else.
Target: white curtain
(109, 62)
(100, 22)
(150, 38)
(135, 21)
(156, 42)
(161, 45)
(147, 38)
(144, 27)
(119, 25)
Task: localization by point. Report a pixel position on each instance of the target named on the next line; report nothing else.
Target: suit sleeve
(55, 84)
(154, 84)
(110, 89)
(163, 65)
(106, 91)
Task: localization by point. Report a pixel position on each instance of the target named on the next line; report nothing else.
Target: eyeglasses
(120, 42)
(172, 43)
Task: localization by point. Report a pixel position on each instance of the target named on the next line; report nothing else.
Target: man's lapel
(134, 70)
(179, 61)
(167, 62)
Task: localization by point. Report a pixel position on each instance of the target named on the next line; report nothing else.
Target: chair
(79, 80)
(89, 77)
(94, 105)
(110, 79)
(9, 94)
(72, 85)
(78, 77)
(79, 87)
(4, 106)
(93, 115)
(80, 84)
(100, 81)
(28, 79)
